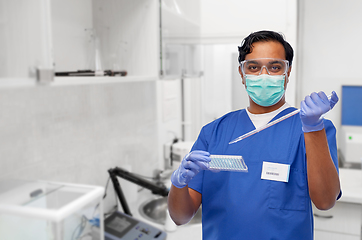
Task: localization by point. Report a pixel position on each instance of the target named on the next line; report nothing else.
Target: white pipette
(268, 125)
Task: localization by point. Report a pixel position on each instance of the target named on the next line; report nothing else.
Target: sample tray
(227, 163)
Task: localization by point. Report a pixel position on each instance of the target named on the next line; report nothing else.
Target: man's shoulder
(230, 116)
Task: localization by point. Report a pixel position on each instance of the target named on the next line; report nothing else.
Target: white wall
(230, 20)
(329, 48)
(76, 133)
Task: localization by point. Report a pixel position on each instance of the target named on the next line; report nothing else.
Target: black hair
(264, 36)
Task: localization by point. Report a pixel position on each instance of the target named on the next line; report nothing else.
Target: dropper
(269, 125)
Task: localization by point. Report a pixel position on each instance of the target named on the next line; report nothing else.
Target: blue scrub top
(242, 205)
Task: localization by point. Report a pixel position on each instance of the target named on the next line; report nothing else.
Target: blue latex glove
(191, 165)
(313, 109)
(334, 99)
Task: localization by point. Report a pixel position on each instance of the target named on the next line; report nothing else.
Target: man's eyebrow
(256, 61)
(275, 61)
(252, 62)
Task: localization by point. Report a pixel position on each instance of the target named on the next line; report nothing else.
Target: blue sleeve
(332, 144)
(200, 144)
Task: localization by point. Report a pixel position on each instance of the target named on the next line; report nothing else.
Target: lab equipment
(119, 172)
(119, 226)
(88, 73)
(190, 165)
(350, 141)
(351, 105)
(175, 151)
(122, 226)
(242, 137)
(227, 163)
(50, 210)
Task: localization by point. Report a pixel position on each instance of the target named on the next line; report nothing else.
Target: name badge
(275, 171)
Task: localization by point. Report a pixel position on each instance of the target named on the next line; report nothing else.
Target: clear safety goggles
(273, 66)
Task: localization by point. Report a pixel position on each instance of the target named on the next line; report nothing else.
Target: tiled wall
(76, 133)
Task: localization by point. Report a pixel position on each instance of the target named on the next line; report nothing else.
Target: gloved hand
(313, 108)
(334, 99)
(190, 165)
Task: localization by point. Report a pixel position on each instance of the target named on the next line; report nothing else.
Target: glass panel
(21, 192)
(73, 219)
(181, 59)
(39, 194)
(180, 38)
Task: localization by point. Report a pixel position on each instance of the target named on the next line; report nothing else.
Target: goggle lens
(272, 66)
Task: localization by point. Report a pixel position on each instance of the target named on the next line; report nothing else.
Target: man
(256, 204)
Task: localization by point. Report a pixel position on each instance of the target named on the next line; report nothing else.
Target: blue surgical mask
(265, 90)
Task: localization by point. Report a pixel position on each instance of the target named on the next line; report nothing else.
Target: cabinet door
(25, 38)
(322, 235)
(342, 218)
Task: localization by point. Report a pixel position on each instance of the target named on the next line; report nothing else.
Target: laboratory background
(92, 85)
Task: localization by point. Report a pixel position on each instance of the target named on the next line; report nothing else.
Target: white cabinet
(111, 35)
(25, 38)
(344, 220)
(322, 235)
(71, 36)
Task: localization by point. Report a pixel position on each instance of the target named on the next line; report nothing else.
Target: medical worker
(290, 165)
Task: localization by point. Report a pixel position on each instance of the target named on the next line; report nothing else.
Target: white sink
(154, 210)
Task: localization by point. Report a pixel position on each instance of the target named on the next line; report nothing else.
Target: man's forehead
(265, 60)
(266, 49)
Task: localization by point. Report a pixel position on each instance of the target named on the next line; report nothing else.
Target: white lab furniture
(50, 211)
(344, 220)
(65, 35)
